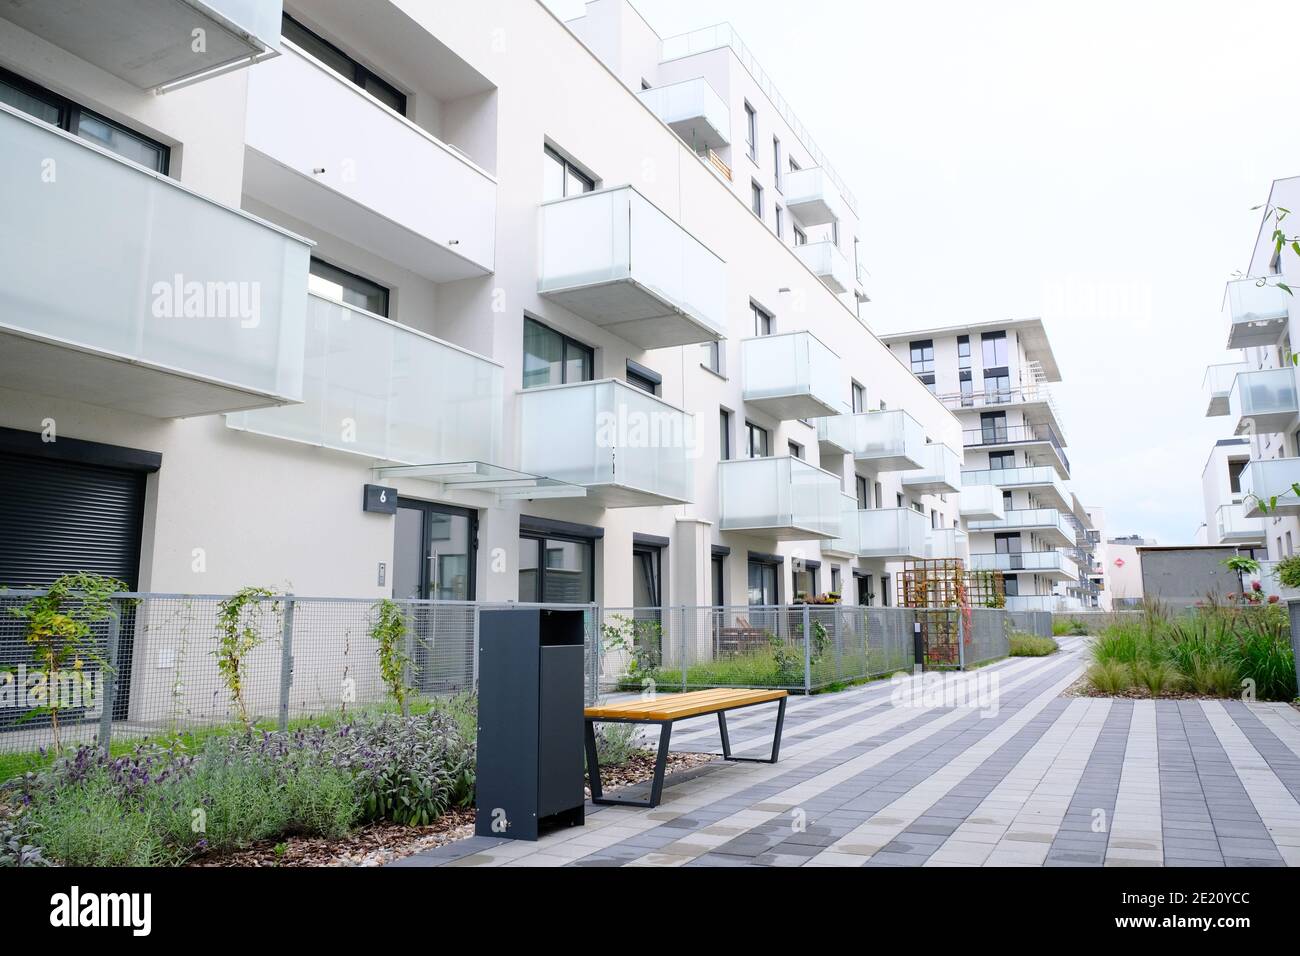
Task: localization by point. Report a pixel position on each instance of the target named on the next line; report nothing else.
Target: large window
(40, 103)
(561, 178)
(763, 583)
(994, 346)
(963, 351)
(551, 358)
(993, 427)
(555, 570)
(860, 488)
(859, 397)
(757, 441)
(763, 322)
(719, 575)
(1001, 460)
(344, 65)
(347, 287)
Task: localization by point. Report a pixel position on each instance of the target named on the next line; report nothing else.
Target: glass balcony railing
(784, 497)
(614, 258)
(437, 218)
(892, 533)
(847, 541)
(981, 501)
(940, 471)
(1042, 479)
(1218, 383)
(1271, 482)
(1257, 311)
(1234, 526)
(791, 376)
(152, 45)
(827, 263)
(947, 543)
(995, 434)
(1048, 563)
(1263, 401)
(124, 289)
(624, 445)
(694, 110)
(811, 197)
(890, 440)
(1035, 602)
(1048, 522)
(377, 388)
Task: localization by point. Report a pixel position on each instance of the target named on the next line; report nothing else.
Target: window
(561, 178)
(342, 286)
(1011, 586)
(936, 521)
(994, 345)
(756, 441)
(805, 582)
(860, 489)
(997, 388)
(967, 388)
(719, 569)
(794, 165)
(762, 319)
(922, 356)
(800, 237)
(776, 163)
(756, 198)
(880, 495)
(858, 397)
(898, 499)
(763, 583)
(751, 132)
(796, 450)
(993, 427)
(865, 595)
(724, 435)
(1290, 550)
(643, 378)
(884, 590)
(780, 220)
(963, 351)
(556, 570)
(344, 65)
(835, 580)
(41, 104)
(999, 460)
(552, 358)
(1235, 468)
(713, 357)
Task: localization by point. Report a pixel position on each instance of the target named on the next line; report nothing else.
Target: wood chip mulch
(379, 843)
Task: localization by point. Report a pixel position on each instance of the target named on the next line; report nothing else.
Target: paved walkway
(1040, 780)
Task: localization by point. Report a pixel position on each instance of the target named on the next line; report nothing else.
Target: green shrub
(1263, 654)
(615, 744)
(1030, 645)
(1157, 677)
(1213, 678)
(1110, 677)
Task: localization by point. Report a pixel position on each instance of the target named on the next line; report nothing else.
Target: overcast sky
(1094, 164)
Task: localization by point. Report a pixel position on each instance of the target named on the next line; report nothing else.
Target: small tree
(57, 627)
(388, 628)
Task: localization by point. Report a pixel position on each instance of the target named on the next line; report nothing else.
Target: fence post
(286, 661)
(597, 647)
(109, 676)
(807, 650)
(408, 651)
(961, 637)
(683, 648)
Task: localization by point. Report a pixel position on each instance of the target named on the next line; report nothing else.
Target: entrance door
(433, 559)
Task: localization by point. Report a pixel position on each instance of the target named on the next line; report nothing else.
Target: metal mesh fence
(154, 666)
(989, 636)
(1038, 623)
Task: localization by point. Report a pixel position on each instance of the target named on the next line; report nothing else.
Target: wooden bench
(664, 710)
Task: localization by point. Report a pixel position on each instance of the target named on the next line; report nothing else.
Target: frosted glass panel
(585, 240)
(794, 363)
(847, 540)
(261, 18)
(113, 259)
(778, 493)
(940, 466)
(1264, 392)
(891, 533)
(376, 388)
(1249, 301)
(893, 438)
(1263, 480)
(689, 100)
(1026, 518)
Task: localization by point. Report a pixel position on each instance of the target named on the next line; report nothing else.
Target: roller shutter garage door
(58, 517)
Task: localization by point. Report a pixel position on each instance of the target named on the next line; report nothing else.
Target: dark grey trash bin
(530, 721)
(1293, 610)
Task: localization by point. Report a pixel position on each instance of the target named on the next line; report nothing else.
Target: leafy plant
(387, 629)
(1287, 571)
(239, 633)
(57, 626)
(641, 640)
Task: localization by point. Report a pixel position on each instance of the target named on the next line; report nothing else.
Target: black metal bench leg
(661, 763)
(656, 785)
(593, 762)
(776, 739)
(722, 730)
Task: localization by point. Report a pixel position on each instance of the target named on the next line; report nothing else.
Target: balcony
(827, 263)
(783, 498)
(1055, 565)
(862, 288)
(1048, 523)
(892, 533)
(1263, 401)
(811, 197)
(694, 111)
(1218, 383)
(1043, 481)
(889, 441)
(947, 543)
(122, 288)
(1234, 527)
(938, 474)
(625, 446)
(1264, 480)
(1257, 310)
(1040, 443)
(377, 388)
(151, 45)
(981, 501)
(790, 376)
(847, 542)
(1035, 602)
(615, 259)
(327, 153)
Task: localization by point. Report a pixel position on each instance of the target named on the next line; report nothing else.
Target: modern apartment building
(1023, 519)
(439, 300)
(1257, 393)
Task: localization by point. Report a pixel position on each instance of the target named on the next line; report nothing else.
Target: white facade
(253, 433)
(996, 377)
(1227, 519)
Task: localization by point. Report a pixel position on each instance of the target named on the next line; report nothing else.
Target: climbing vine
(239, 633)
(388, 629)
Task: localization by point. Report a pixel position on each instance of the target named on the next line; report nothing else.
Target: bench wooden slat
(679, 706)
